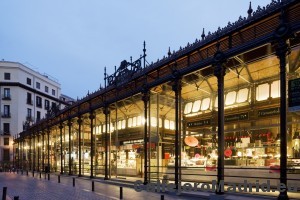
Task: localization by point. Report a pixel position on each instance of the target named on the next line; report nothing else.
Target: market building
(225, 107)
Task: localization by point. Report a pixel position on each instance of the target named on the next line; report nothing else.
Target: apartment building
(26, 97)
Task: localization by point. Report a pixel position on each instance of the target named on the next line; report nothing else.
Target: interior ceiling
(243, 70)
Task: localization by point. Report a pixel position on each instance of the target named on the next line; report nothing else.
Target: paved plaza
(29, 188)
(37, 186)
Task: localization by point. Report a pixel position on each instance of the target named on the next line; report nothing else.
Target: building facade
(26, 98)
(223, 108)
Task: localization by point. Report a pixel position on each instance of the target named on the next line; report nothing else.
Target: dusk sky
(73, 40)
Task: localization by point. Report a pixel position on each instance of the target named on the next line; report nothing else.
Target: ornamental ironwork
(124, 72)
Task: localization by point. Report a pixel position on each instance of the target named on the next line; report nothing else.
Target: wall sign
(294, 94)
(237, 117)
(269, 112)
(204, 122)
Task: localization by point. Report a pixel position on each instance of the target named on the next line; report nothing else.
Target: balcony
(4, 132)
(29, 101)
(5, 115)
(6, 97)
(29, 118)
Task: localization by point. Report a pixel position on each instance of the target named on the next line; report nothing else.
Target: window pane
(134, 122)
(123, 124)
(275, 89)
(230, 98)
(242, 95)
(196, 106)
(119, 125)
(167, 124)
(188, 108)
(205, 104)
(160, 122)
(172, 125)
(129, 122)
(262, 92)
(139, 121)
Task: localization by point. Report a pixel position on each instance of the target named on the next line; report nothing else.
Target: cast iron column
(70, 158)
(92, 117)
(19, 149)
(43, 150)
(79, 121)
(38, 151)
(30, 153)
(106, 113)
(48, 149)
(61, 149)
(219, 72)
(282, 50)
(177, 89)
(33, 153)
(145, 98)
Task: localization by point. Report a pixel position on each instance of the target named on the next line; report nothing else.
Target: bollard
(32, 173)
(73, 182)
(27, 172)
(4, 193)
(121, 192)
(22, 171)
(16, 197)
(40, 175)
(48, 177)
(45, 175)
(93, 186)
(58, 178)
(162, 197)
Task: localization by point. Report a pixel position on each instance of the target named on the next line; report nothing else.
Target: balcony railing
(4, 132)
(29, 118)
(6, 97)
(5, 115)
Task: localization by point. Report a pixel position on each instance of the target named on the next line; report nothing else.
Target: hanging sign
(204, 122)
(269, 112)
(294, 95)
(237, 117)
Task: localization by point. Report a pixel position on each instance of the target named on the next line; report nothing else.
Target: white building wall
(18, 93)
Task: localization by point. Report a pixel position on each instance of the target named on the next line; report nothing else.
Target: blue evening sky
(73, 40)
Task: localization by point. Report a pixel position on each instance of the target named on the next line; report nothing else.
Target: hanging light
(277, 137)
(296, 136)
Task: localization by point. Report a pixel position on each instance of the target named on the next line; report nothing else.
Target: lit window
(103, 128)
(196, 106)
(205, 104)
(167, 124)
(119, 125)
(153, 122)
(139, 121)
(99, 129)
(188, 108)
(216, 102)
(134, 121)
(172, 125)
(242, 95)
(275, 89)
(230, 98)
(262, 92)
(160, 122)
(112, 128)
(129, 122)
(123, 124)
